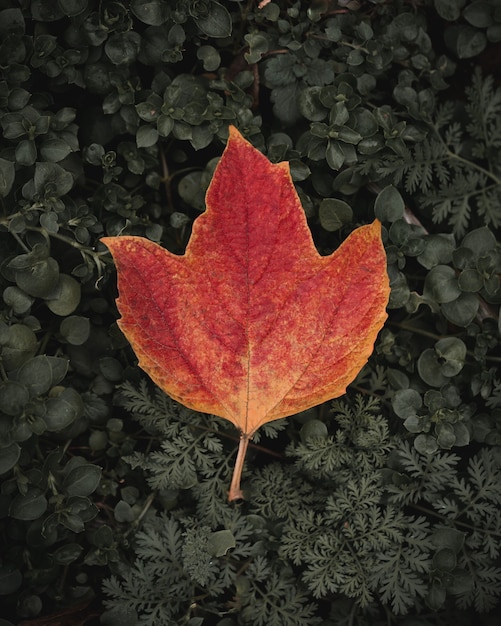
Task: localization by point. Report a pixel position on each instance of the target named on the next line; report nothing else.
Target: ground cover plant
(380, 507)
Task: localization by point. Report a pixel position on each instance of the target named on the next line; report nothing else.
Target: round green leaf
(444, 560)
(72, 522)
(448, 538)
(445, 435)
(438, 250)
(71, 8)
(151, 12)
(400, 292)
(271, 12)
(441, 284)
(19, 343)
(29, 506)
(178, 220)
(63, 410)
(364, 122)
(191, 190)
(94, 153)
(65, 298)
(165, 125)
(102, 537)
(349, 135)
(123, 48)
(355, 57)
(176, 35)
(39, 279)
(449, 10)
(389, 205)
(14, 397)
(465, 40)
(12, 21)
(430, 369)
(202, 136)
(123, 512)
(54, 149)
(461, 311)
(67, 553)
(9, 456)
(406, 402)
(82, 480)
(370, 145)
(425, 444)
(111, 369)
(7, 175)
(479, 241)
(42, 372)
(462, 434)
(309, 104)
(75, 329)
(98, 440)
(479, 14)
(50, 221)
(414, 424)
(146, 136)
(334, 155)
(312, 429)
(258, 45)
(400, 232)
(216, 22)
(299, 170)
(470, 280)
(334, 213)
(53, 175)
(451, 353)
(220, 542)
(17, 299)
(26, 152)
(210, 57)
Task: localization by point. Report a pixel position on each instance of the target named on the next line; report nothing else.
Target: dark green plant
(380, 508)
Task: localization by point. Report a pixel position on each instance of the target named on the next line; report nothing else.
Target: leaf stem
(235, 492)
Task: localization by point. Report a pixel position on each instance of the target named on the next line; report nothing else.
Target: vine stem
(235, 492)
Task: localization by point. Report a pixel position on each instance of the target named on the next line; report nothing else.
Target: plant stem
(235, 492)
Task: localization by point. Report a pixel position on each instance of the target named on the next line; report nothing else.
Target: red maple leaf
(251, 323)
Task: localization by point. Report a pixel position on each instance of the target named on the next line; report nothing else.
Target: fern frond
(428, 475)
(484, 110)
(401, 572)
(444, 114)
(278, 492)
(494, 400)
(301, 535)
(486, 585)
(277, 601)
(489, 205)
(181, 458)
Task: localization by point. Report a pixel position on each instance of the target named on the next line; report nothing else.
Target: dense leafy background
(381, 508)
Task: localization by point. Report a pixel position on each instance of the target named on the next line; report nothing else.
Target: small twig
(235, 492)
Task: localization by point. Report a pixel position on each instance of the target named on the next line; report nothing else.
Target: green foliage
(384, 510)
(456, 168)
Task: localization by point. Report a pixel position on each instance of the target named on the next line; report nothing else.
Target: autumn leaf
(251, 323)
